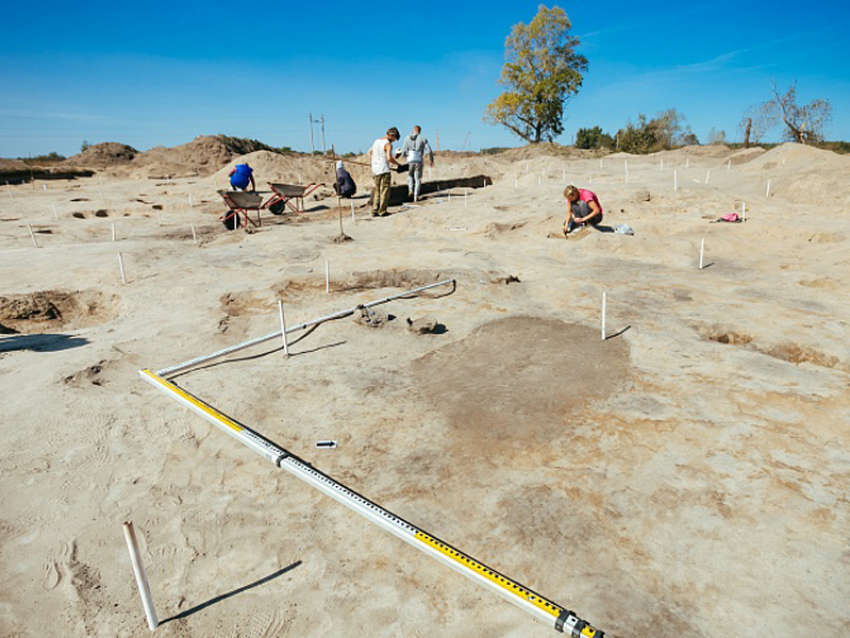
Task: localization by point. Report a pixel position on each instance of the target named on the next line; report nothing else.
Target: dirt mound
(286, 168)
(54, 309)
(12, 164)
(544, 149)
(202, 156)
(795, 157)
(104, 155)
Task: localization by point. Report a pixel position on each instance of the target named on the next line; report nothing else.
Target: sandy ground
(686, 475)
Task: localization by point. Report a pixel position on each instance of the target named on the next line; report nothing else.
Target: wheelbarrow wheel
(231, 220)
(277, 208)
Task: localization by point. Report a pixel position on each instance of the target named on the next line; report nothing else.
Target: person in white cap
(344, 185)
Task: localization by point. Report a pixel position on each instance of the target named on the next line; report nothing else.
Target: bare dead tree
(803, 124)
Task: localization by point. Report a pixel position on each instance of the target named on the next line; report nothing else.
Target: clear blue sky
(150, 75)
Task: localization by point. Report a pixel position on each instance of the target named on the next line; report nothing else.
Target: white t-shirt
(380, 165)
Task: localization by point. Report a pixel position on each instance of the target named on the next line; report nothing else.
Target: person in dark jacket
(344, 185)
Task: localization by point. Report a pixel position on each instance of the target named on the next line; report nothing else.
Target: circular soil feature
(515, 381)
(51, 310)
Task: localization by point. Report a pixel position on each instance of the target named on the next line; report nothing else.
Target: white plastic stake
(600, 162)
(450, 198)
(675, 180)
(141, 577)
(516, 183)
(283, 329)
(604, 304)
(121, 268)
(32, 236)
(744, 211)
(538, 180)
(662, 164)
(194, 235)
(191, 201)
(729, 165)
(701, 253)
(44, 186)
(113, 231)
(352, 211)
(767, 192)
(327, 277)
(707, 175)
(55, 212)
(687, 162)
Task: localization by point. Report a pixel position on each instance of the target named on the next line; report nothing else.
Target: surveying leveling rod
(563, 619)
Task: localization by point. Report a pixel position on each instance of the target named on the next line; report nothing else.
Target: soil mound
(104, 155)
(202, 156)
(47, 311)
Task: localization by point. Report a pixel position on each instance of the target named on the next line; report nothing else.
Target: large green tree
(542, 71)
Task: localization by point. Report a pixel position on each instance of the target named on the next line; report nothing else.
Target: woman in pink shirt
(584, 208)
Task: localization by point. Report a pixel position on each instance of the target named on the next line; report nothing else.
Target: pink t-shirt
(585, 195)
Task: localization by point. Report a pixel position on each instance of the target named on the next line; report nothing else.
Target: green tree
(84, 146)
(638, 138)
(593, 138)
(542, 71)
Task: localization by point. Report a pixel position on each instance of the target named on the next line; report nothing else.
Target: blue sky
(151, 75)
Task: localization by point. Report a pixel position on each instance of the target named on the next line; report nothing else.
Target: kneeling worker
(584, 208)
(241, 176)
(344, 185)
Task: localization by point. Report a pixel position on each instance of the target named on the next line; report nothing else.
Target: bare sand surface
(686, 476)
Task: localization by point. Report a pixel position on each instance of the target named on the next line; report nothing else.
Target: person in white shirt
(382, 159)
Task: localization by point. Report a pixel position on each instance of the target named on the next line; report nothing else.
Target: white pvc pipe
(707, 175)
(283, 329)
(516, 183)
(113, 231)
(662, 164)
(194, 235)
(701, 252)
(44, 186)
(141, 577)
(687, 162)
(604, 308)
(309, 324)
(191, 201)
(121, 268)
(767, 192)
(352, 211)
(729, 165)
(32, 236)
(744, 211)
(55, 212)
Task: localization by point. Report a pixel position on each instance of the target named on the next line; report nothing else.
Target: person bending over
(241, 176)
(584, 208)
(344, 185)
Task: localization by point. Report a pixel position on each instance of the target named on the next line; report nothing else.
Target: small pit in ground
(514, 382)
(790, 352)
(48, 311)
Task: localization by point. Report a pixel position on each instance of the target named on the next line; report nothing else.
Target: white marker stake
(450, 198)
(283, 329)
(121, 268)
(352, 211)
(191, 201)
(604, 304)
(55, 212)
(564, 178)
(102, 198)
(707, 175)
(194, 235)
(32, 236)
(767, 192)
(600, 162)
(744, 211)
(687, 162)
(141, 577)
(113, 231)
(729, 165)
(516, 183)
(662, 164)
(675, 180)
(327, 277)
(44, 186)
(701, 252)
(538, 180)
(9, 190)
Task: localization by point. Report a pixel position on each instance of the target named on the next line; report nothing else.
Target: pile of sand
(105, 155)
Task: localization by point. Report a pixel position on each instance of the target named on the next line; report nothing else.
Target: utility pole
(438, 139)
(324, 148)
(310, 117)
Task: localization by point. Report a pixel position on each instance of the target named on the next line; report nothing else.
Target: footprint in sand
(57, 565)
